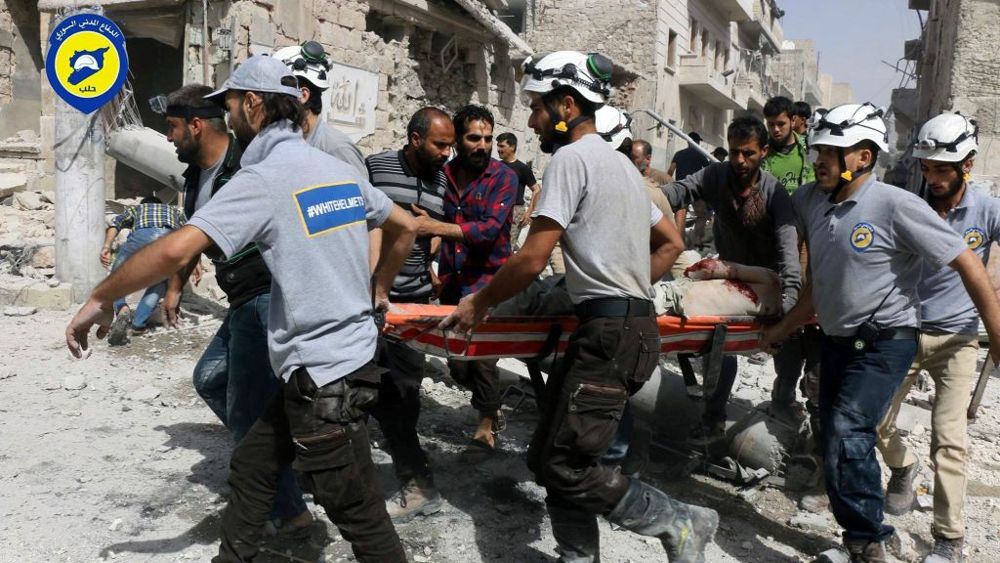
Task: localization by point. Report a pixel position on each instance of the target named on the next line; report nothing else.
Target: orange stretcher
(530, 337)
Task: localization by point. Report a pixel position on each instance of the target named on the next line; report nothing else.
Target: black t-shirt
(525, 177)
(688, 162)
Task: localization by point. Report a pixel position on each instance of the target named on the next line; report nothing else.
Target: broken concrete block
(19, 311)
(48, 197)
(11, 182)
(28, 201)
(810, 522)
(74, 383)
(44, 257)
(22, 292)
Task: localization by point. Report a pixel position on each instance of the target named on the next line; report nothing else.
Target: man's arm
(486, 230)
(175, 289)
(787, 238)
(665, 246)
(672, 168)
(398, 233)
(536, 189)
(800, 314)
(516, 275)
(374, 248)
(109, 237)
(154, 262)
(977, 283)
(683, 193)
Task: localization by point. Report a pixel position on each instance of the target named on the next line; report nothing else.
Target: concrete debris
(811, 522)
(44, 257)
(74, 382)
(115, 525)
(19, 311)
(145, 393)
(12, 182)
(918, 430)
(29, 201)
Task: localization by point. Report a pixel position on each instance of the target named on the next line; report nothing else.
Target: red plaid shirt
(483, 213)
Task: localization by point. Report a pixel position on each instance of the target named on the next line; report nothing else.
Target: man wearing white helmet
(949, 344)
(867, 244)
(594, 204)
(614, 126)
(309, 65)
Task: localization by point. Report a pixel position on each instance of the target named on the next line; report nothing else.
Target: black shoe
(899, 493)
(946, 551)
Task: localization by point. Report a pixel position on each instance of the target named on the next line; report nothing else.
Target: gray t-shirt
(206, 178)
(870, 246)
(310, 214)
(945, 305)
(334, 142)
(596, 194)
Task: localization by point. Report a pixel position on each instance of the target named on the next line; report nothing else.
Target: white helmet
(613, 125)
(306, 61)
(849, 124)
(949, 137)
(590, 75)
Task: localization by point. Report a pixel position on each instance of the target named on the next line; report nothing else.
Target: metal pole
(677, 131)
(204, 42)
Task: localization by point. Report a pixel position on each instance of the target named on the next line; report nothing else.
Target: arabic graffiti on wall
(349, 103)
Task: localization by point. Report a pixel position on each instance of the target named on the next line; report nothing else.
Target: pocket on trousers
(856, 475)
(648, 359)
(592, 418)
(327, 448)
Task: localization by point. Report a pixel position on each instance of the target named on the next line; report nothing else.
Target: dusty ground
(116, 458)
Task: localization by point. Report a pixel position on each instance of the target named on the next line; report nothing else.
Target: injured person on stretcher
(702, 294)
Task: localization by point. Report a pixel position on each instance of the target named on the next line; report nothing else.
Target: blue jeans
(151, 299)
(234, 378)
(619, 446)
(854, 395)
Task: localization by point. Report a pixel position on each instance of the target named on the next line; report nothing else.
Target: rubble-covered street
(116, 458)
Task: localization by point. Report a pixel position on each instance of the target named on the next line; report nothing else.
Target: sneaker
(864, 551)
(946, 551)
(899, 493)
(417, 497)
(119, 329)
(697, 531)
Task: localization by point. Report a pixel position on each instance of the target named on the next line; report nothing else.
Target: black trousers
(322, 430)
(608, 360)
(398, 409)
(482, 377)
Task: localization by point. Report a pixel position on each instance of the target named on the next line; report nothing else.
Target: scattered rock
(51, 385)
(29, 201)
(918, 430)
(11, 182)
(19, 311)
(420, 559)
(810, 522)
(44, 257)
(145, 393)
(52, 282)
(74, 383)
(115, 525)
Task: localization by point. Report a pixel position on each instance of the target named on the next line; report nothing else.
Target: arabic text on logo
(86, 62)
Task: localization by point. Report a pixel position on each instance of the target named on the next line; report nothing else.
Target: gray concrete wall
(20, 65)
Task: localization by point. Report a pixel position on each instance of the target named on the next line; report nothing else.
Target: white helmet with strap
(306, 61)
(847, 125)
(949, 137)
(589, 75)
(613, 125)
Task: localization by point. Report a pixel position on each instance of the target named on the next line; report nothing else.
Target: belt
(898, 333)
(614, 307)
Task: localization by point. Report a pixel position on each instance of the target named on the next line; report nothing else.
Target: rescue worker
(233, 375)
(310, 66)
(867, 243)
(948, 344)
(311, 228)
(615, 243)
(412, 175)
(753, 225)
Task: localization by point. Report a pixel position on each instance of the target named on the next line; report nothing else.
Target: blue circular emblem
(862, 237)
(87, 63)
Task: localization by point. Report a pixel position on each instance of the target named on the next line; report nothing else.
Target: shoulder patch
(974, 237)
(862, 237)
(328, 208)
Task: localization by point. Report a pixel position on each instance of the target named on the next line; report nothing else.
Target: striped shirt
(149, 216)
(390, 173)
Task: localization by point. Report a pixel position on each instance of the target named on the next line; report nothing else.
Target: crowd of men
(311, 242)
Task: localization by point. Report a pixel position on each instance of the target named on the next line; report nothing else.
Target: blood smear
(744, 289)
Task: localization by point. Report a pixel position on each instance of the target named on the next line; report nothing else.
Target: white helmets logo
(590, 75)
(306, 61)
(948, 137)
(613, 125)
(847, 125)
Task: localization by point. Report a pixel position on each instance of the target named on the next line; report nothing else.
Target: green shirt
(792, 168)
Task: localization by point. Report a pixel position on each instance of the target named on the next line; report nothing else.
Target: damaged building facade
(955, 68)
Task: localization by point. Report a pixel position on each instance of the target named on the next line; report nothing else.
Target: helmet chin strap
(560, 129)
(848, 176)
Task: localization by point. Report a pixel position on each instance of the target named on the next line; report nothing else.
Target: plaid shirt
(483, 211)
(149, 215)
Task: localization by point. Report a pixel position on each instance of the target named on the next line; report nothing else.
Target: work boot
(816, 500)
(118, 335)
(946, 551)
(417, 497)
(899, 493)
(683, 529)
(865, 551)
(578, 539)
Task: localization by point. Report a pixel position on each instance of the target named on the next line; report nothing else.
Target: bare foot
(484, 432)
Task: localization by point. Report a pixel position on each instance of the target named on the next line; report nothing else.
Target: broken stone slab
(29, 201)
(145, 393)
(19, 311)
(11, 183)
(810, 522)
(24, 292)
(74, 382)
(44, 257)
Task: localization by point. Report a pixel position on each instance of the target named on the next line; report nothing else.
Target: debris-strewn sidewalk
(116, 458)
